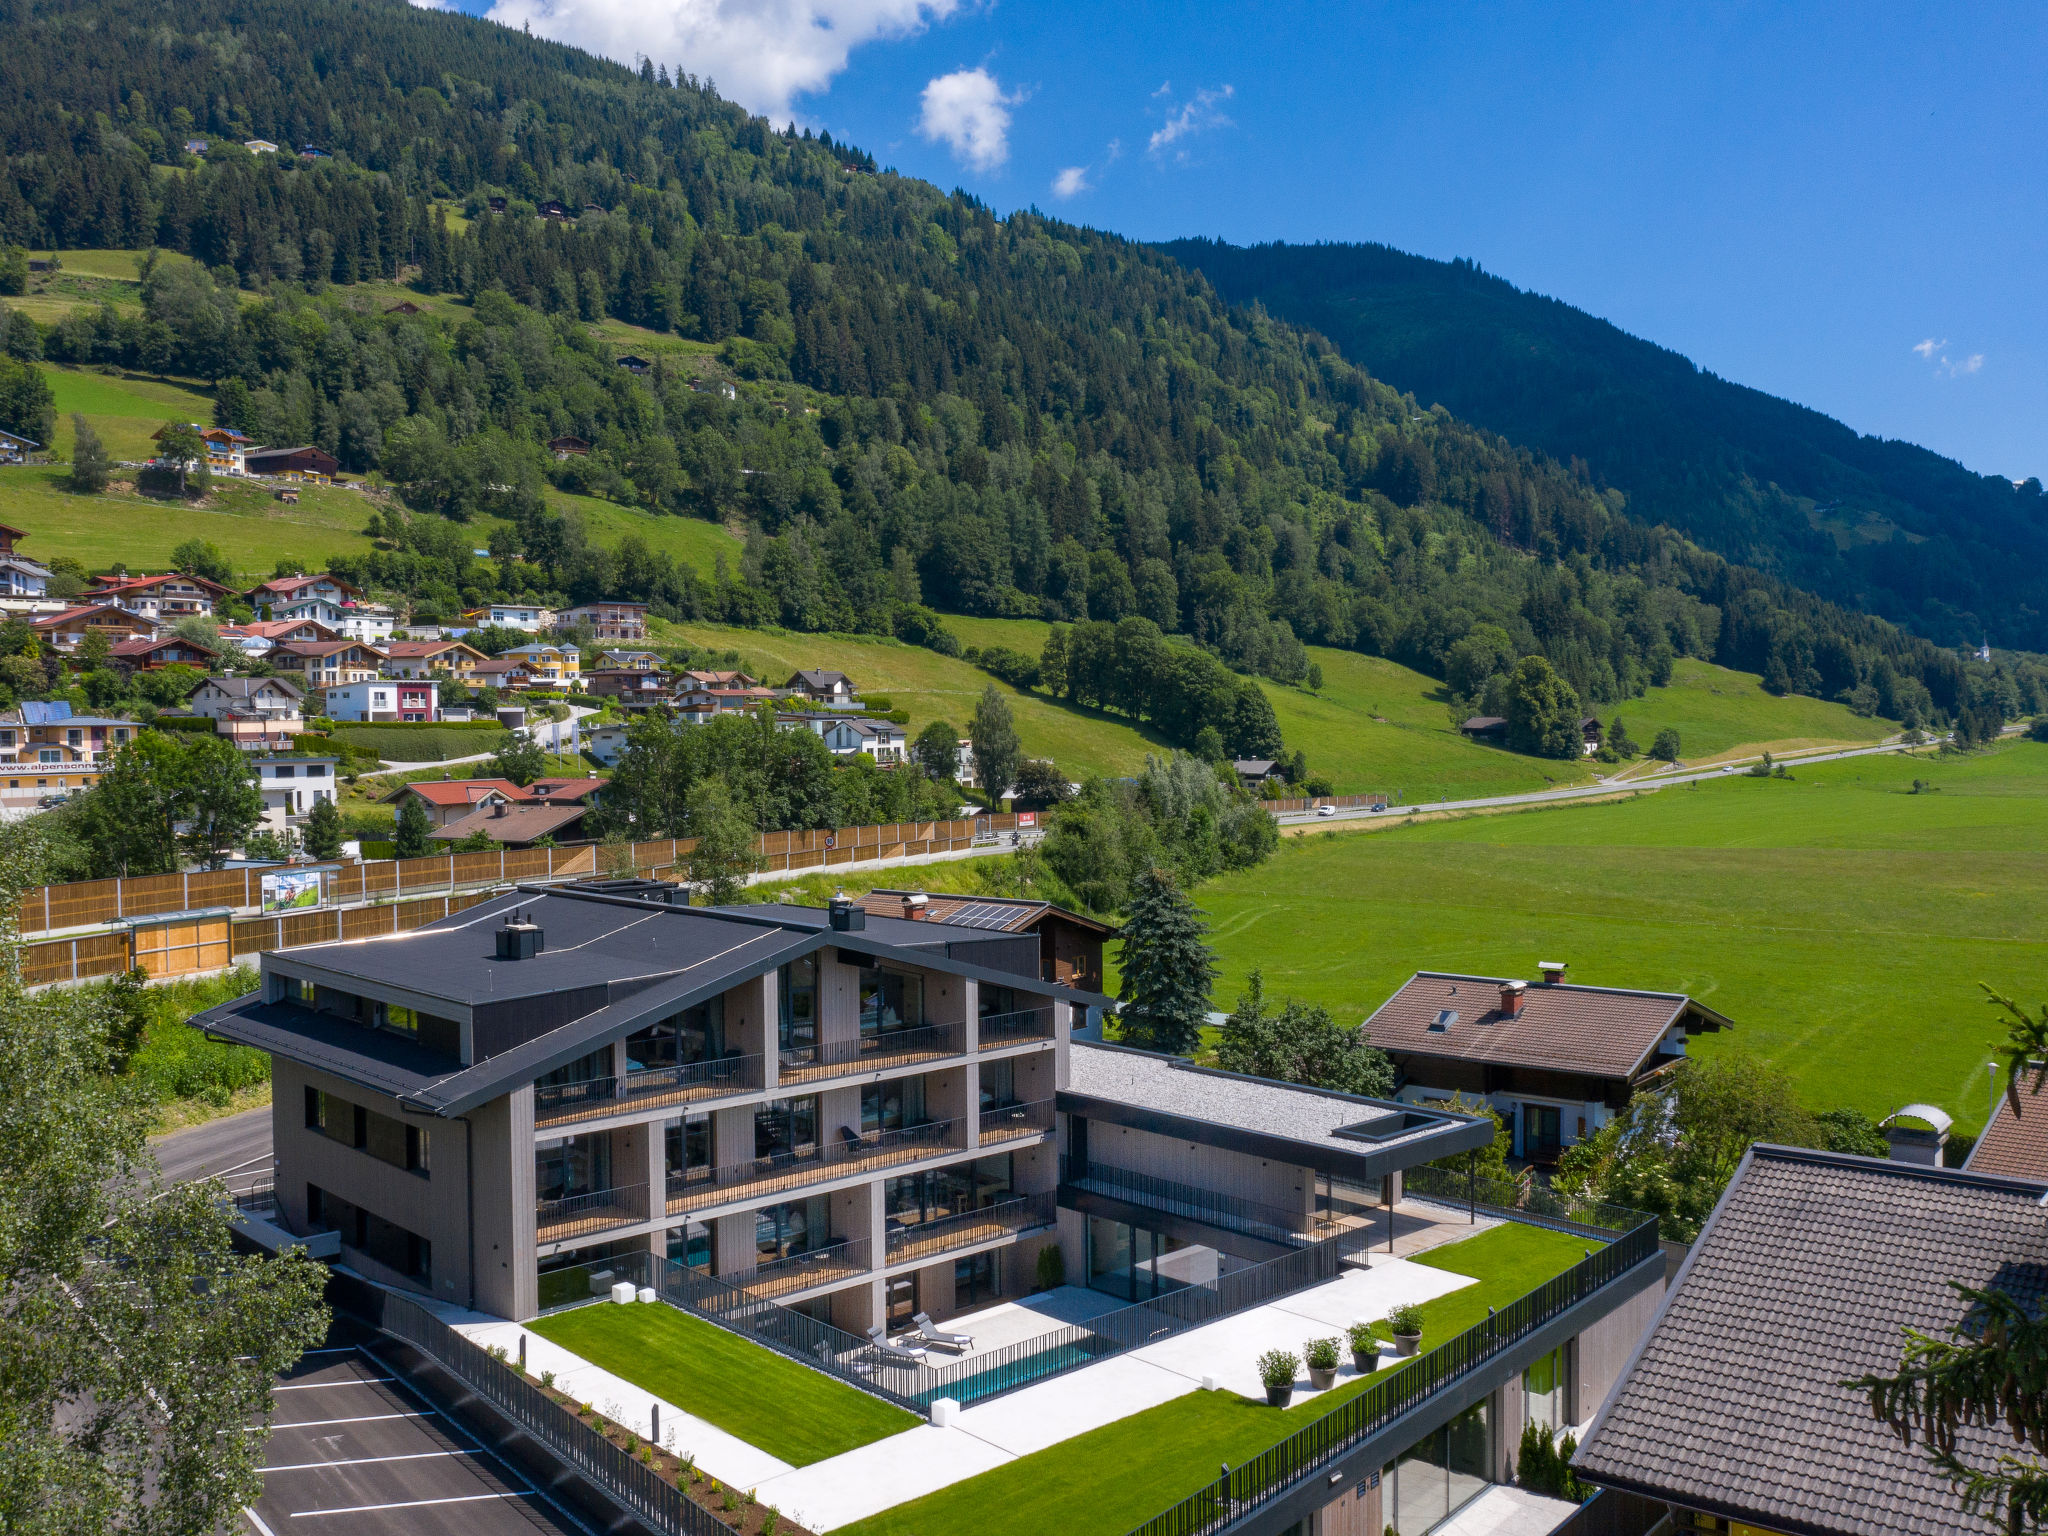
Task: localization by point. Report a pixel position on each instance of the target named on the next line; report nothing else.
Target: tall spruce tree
(1167, 966)
(415, 829)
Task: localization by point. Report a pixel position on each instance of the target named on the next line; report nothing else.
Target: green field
(1841, 921)
(125, 409)
(1719, 713)
(1113, 1479)
(785, 1409)
(931, 687)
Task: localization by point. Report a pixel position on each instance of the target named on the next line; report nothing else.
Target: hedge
(421, 743)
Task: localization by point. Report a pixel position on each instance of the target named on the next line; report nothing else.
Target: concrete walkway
(863, 1482)
(1507, 1511)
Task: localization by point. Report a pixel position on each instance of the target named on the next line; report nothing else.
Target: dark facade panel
(1017, 955)
(500, 1026)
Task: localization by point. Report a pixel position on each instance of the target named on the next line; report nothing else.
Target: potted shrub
(1405, 1324)
(1321, 1356)
(1276, 1370)
(1365, 1347)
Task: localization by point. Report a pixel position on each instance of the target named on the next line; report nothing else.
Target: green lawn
(1112, 1479)
(689, 541)
(772, 1403)
(1842, 922)
(125, 409)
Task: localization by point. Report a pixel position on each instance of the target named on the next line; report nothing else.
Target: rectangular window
(786, 1127)
(1543, 1391)
(795, 1226)
(388, 1243)
(285, 771)
(687, 1143)
(998, 1083)
(572, 1165)
(890, 1002)
(798, 1026)
(399, 1019)
(682, 1039)
(690, 1246)
(892, 1106)
(584, 1069)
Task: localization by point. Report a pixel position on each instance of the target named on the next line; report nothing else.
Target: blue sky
(1844, 205)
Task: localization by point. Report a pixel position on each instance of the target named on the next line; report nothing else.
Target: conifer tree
(323, 831)
(415, 830)
(1167, 966)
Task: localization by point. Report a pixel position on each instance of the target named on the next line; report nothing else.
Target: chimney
(847, 916)
(498, 807)
(1512, 995)
(519, 938)
(914, 906)
(1552, 970)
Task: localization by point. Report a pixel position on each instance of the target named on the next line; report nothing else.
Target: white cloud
(968, 111)
(1072, 181)
(762, 53)
(1936, 352)
(1199, 113)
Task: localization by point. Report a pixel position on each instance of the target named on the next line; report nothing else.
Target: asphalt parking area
(354, 1449)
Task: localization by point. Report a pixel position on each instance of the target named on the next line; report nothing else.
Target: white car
(1326, 810)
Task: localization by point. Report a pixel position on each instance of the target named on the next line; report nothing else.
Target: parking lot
(355, 1449)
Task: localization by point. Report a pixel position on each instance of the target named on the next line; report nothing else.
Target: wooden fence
(174, 925)
(1342, 802)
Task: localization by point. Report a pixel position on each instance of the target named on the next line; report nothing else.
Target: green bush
(1543, 1465)
(1052, 1267)
(199, 725)
(170, 1057)
(401, 743)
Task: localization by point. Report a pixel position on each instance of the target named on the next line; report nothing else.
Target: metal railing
(800, 1271)
(1515, 1199)
(963, 1229)
(638, 1486)
(662, 1085)
(1012, 1122)
(1233, 1213)
(577, 1214)
(807, 1063)
(699, 1187)
(1310, 1450)
(1026, 1024)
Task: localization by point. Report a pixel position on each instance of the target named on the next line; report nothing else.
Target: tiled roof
(1598, 1031)
(1807, 1275)
(1007, 914)
(447, 792)
(142, 645)
(517, 824)
(562, 790)
(2014, 1146)
(416, 648)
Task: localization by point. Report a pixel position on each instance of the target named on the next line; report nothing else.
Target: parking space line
(257, 1521)
(349, 1381)
(363, 1461)
(361, 1418)
(368, 1509)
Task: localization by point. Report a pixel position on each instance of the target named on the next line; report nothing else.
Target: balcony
(810, 1063)
(578, 1214)
(964, 1229)
(700, 1187)
(800, 1271)
(686, 1084)
(1014, 1122)
(1019, 1028)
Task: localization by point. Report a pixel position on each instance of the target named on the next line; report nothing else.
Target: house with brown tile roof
(67, 630)
(517, 826)
(2014, 1145)
(450, 800)
(1069, 943)
(147, 653)
(1556, 1060)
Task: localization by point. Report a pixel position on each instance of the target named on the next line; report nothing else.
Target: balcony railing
(578, 1214)
(963, 1229)
(1233, 1213)
(699, 1187)
(1019, 1028)
(891, 1048)
(1014, 1122)
(800, 1271)
(684, 1084)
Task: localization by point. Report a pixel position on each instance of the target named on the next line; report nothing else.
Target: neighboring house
(630, 660)
(292, 785)
(279, 631)
(67, 630)
(721, 680)
(15, 449)
(1258, 770)
(328, 588)
(147, 653)
(20, 577)
(633, 688)
(805, 1104)
(405, 307)
(1556, 1061)
(225, 448)
(449, 800)
(611, 621)
(518, 825)
(167, 598)
(568, 447)
(257, 714)
(963, 758)
(497, 672)
(48, 735)
(1592, 732)
(259, 146)
(430, 658)
(372, 624)
(2014, 1146)
(327, 663)
(697, 704)
(634, 364)
(555, 666)
(319, 610)
(556, 212)
(1069, 943)
(240, 637)
(302, 464)
(1486, 728)
(834, 688)
(511, 616)
(607, 744)
(884, 742)
(1733, 1414)
(195, 146)
(561, 791)
(385, 699)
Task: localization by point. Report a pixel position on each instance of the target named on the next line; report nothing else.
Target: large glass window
(690, 1245)
(584, 1069)
(1543, 1391)
(797, 1028)
(786, 1126)
(572, 1165)
(1439, 1474)
(999, 1082)
(795, 1226)
(687, 1145)
(977, 1279)
(893, 1105)
(996, 1000)
(890, 1002)
(696, 1034)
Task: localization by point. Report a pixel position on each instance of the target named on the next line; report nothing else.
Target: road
(232, 1146)
(1587, 791)
(555, 735)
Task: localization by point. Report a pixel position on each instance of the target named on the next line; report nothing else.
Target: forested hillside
(1874, 523)
(933, 407)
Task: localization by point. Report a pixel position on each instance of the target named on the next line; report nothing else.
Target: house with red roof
(168, 597)
(67, 630)
(149, 652)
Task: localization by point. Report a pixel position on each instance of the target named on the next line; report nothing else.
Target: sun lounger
(931, 1333)
(891, 1353)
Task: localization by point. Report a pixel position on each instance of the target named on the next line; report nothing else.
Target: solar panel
(982, 914)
